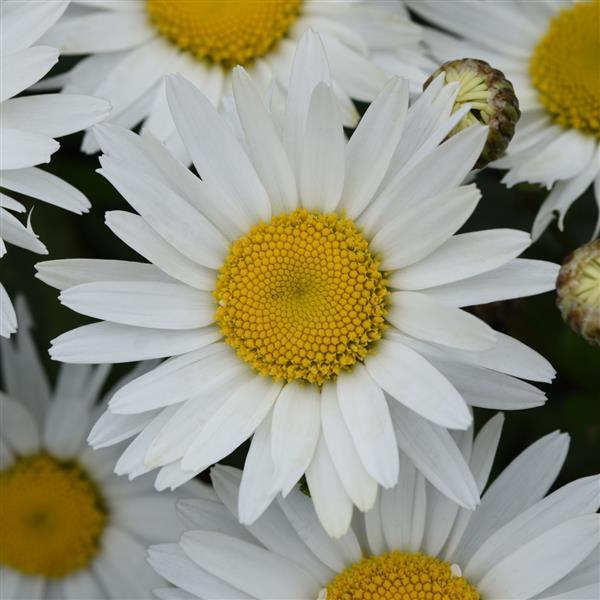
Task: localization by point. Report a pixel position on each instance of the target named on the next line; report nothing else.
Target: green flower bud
(578, 291)
(492, 99)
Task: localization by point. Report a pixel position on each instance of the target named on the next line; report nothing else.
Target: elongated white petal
(142, 303)
(425, 318)
(294, 433)
(266, 149)
(67, 273)
(8, 317)
(258, 572)
(322, 157)
(111, 428)
(14, 232)
(372, 145)
(21, 149)
(332, 504)
(18, 427)
(359, 485)
(462, 256)
(542, 561)
(435, 454)
(411, 379)
(213, 148)
(367, 417)
(19, 70)
(137, 234)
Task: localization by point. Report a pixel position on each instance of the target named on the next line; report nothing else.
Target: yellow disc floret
(51, 517)
(400, 576)
(229, 32)
(301, 297)
(564, 68)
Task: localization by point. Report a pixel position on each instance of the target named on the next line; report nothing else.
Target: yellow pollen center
(228, 32)
(400, 576)
(51, 517)
(564, 68)
(301, 297)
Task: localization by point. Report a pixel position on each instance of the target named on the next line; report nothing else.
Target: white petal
(411, 379)
(359, 485)
(13, 232)
(308, 69)
(367, 417)
(112, 428)
(265, 148)
(294, 433)
(322, 156)
(169, 214)
(403, 509)
(542, 561)
(18, 426)
(142, 303)
(423, 227)
(23, 68)
(213, 149)
(372, 145)
(177, 379)
(100, 31)
(258, 572)
(46, 187)
(71, 272)
(54, 115)
(518, 487)
(425, 318)
(175, 566)
(8, 317)
(115, 343)
(21, 149)
(233, 423)
(25, 22)
(572, 500)
(332, 504)
(137, 234)
(435, 454)
(462, 256)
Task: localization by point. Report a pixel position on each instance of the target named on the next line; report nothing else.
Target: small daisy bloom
(69, 527)
(549, 51)
(414, 544)
(309, 291)
(133, 43)
(28, 126)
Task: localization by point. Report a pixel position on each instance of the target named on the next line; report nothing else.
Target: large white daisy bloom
(549, 51)
(414, 544)
(29, 125)
(133, 43)
(309, 290)
(69, 527)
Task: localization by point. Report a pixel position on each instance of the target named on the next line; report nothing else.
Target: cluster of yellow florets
(51, 519)
(400, 576)
(564, 68)
(301, 297)
(228, 32)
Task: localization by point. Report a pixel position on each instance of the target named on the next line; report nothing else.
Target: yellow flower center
(564, 68)
(400, 576)
(473, 90)
(301, 297)
(51, 517)
(228, 32)
(587, 285)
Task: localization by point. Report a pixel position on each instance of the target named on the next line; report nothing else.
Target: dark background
(573, 398)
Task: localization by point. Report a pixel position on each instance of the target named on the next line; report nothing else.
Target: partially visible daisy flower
(414, 544)
(69, 527)
(28, 126)
(133, 43)
(309, 291)
(549, 51)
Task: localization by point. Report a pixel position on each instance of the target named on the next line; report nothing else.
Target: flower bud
(492, 99)
(578, 291)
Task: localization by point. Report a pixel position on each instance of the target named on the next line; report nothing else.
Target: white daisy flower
(549, 51)
(29, 125)
(414, 544)
(308, 290)
(133, 43)
(69, 527)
